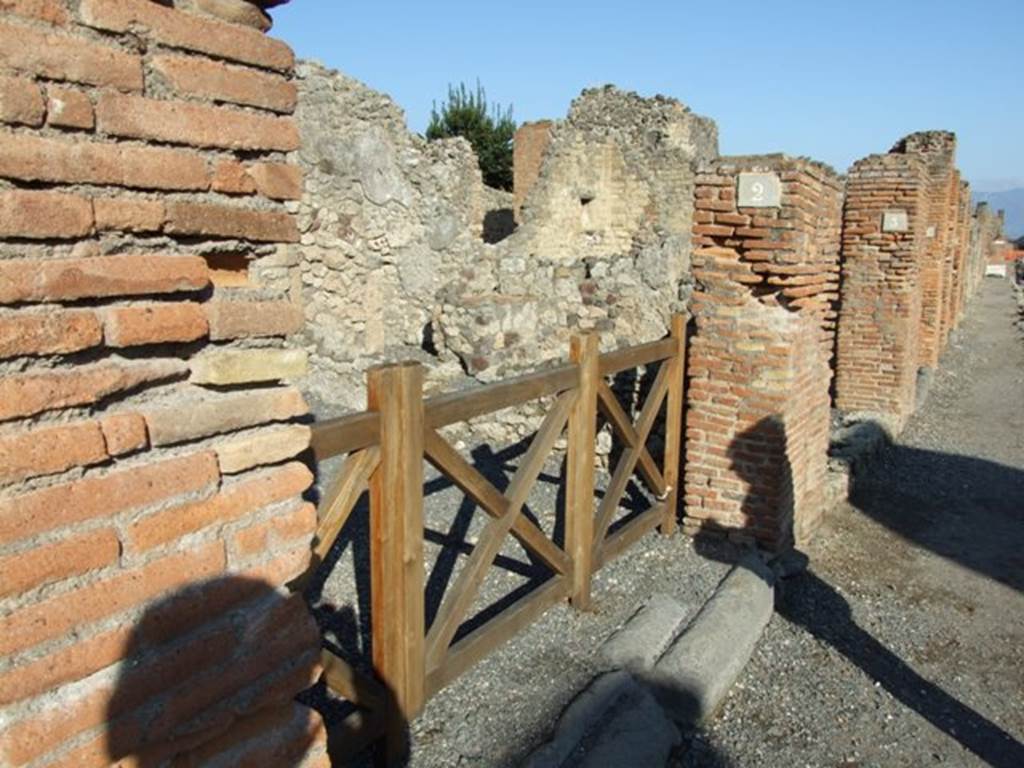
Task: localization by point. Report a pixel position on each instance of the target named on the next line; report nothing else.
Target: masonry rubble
(602, 242)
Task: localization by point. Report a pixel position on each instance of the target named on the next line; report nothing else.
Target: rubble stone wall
(150, 501)
(394, 261)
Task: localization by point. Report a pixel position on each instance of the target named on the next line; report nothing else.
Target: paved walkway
(904, 643)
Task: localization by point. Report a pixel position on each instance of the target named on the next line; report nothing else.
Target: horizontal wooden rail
(386, 446)
(344, 434)
(624, 359)
(453, 407)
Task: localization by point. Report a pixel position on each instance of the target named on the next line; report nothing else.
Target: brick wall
(793, 248)
(150, 501)
(757, 422)
(987, 228)
(758, 403)
(936, 149)
(880, 317)
(531, 141)
(962, 256)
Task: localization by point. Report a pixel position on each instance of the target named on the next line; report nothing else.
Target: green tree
(490, 132)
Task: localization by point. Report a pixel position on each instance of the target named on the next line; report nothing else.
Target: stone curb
(641, 641)
(613, 723)
(620, 720)
(694, 675)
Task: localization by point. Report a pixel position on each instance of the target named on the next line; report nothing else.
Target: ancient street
(903, 644)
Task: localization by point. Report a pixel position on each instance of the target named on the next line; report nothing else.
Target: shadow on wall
(499, 223)
(948, 525)
(209, 677)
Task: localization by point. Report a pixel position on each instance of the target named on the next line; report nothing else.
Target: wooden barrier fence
(385, 448)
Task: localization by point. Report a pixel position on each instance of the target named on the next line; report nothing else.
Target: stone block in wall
(21, 101)
(48, 332)
(43, 390)
(69, 108)
(223, 367)
(69, 58)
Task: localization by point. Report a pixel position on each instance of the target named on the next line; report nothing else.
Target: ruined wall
(150, 503)
(528, 150)
(790, 236)
(884, 227)
(950, 258)
(936, 150)
(962, 253)
(387, 223)
(757, 421)
(758, 404)
(393, 262)
(986, 230)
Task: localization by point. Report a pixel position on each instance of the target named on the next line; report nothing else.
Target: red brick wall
(936, 150)
(150, 501)
(880, 316)
(961, 237)
(793, 249)
(757, 410)
(528, 148)
(949, 260)
(758, 402)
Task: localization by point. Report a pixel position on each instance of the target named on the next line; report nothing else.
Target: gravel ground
(903, 645)
(505, 706)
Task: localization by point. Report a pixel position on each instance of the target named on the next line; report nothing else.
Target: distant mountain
(1011, 201)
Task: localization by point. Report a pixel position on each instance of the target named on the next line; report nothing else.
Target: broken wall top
(777, 162)
(926, 142)
(644, 121)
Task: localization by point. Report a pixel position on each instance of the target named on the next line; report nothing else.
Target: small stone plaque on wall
(931, 232)
(895, 221)
(759, 190)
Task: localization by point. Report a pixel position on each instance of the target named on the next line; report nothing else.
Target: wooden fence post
(579, 491)
(396, 544)
(674, 423)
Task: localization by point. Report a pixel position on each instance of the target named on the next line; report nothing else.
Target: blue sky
(832, 80)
